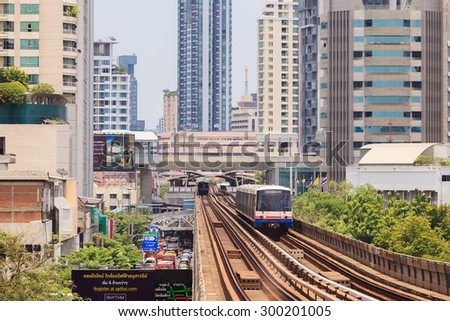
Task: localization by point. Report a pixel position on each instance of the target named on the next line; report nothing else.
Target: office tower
(309, 39)
(278, 68)
(384, 75)
(56, 51)
(204, 65)
(111, 90)
(128, 62)
(170, 111)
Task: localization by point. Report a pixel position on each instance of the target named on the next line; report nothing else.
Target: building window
(33, 79)
(387, 99)
(446, 178)
(29, 44)
(29, 61)
(26, 26)
(8, 44)
(8, 8)
(126, 196)
(99, 196)
(8, 26)
(113, 196)
(8, 61)
(29, 9)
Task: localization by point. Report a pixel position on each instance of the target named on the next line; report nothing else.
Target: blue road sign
(150, 243)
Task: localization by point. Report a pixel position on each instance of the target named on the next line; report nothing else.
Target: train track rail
(364, 282)
(246, 275)
(300, 281)
(322, 259)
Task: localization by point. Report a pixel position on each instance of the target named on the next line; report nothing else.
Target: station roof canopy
(393, 154)
(190, 175)
(233, 176)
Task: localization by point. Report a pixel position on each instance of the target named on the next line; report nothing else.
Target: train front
(273, 208)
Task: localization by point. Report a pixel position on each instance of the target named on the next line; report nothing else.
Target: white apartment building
(112, 107)
(56, 51)
(278, 68)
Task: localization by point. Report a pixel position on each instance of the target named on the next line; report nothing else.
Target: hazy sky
(148, 28)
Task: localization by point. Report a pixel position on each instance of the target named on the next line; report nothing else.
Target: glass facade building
(309, 28)
(204, 65)
(383, 75)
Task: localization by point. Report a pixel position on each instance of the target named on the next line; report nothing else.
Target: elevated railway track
(256, 267)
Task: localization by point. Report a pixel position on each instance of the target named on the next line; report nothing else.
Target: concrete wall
(403, 178)
(34, 233)
(431, 275)
(38, 147)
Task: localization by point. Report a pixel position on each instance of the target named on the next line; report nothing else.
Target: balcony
(6, 17)
(70, 34)
(69, 87)
(70, 70)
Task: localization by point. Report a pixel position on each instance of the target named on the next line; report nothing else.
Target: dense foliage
(10, 74)
(415, 228)
(260, 177)
(28, 276)
(105, 253)
(119, 253)
(43, 88)
(12, 93)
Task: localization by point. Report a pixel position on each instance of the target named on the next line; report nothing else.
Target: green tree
(108, 253)
(12, 93)
(10, 74)
(30, 276)
(414, 236)
(260, 177)
(43, 88)
(128, 225)
(364, 209)
(163, 191)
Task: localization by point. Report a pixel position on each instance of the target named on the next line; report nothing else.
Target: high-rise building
(160, 126)
(309, 71)
(244, 116)
(56, 51)
(111, 90)
(204, 65)
(170, 111)
(384, 75)
(278, 68)
(128, 62)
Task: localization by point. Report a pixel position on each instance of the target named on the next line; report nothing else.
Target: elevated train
(265, 206)
(202, 188)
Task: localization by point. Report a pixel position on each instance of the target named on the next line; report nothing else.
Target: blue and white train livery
(266, 206)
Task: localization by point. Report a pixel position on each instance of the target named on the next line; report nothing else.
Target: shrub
(10, 74)
(423, 160)
(12, 93)
(43, 88)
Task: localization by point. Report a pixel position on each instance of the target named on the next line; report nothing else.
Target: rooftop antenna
(246, 80)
